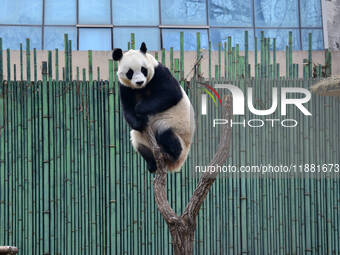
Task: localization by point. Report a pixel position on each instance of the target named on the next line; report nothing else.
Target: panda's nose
(139, 83)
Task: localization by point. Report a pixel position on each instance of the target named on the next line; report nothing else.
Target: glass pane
(14, 35)
(18, 12)
(94, 12)
(317, 39)
(237, 37)
(121, 37)
(54, 37)
(281, 36)
(311, 13)
(61, 12)
(276, 13)
(95, 39)
(184, 12)
(230, 12)
(141, 12)
(171, 38)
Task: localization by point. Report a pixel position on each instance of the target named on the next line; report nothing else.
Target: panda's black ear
(117, 54)
(143, 48)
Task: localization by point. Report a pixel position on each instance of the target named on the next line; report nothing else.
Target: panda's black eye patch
(144, 71)
(129, 74)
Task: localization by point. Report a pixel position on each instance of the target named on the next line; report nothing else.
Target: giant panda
(151, 97)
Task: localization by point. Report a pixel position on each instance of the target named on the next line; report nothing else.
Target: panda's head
(135, 67)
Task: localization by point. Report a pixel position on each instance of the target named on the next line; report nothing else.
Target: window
(232, 13)
(54, 37)
(95, 39)
(104, 24)
(140, 12)
(121, 37)
(278, 13)
(61, 12)
(171, 38)
(184, 12)
(94, 12)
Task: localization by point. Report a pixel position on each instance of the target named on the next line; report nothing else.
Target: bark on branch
(182, 228)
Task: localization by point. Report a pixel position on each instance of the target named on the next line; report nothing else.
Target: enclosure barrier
(71, 183)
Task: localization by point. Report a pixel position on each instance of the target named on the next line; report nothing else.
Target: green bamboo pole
(233, 71)
(230, 60)
(246, 54)
(216, 72)
(328, 63)
(56, 64)
(274, 59)
(305, 68)
(237, 62)
(28, 60)
(262, 55)
(297, 71)
(44, 195)
(84, 75)
(15, 72)
(310, 57)
(242, 68)
(219, 60)
(163, 57)
(287, 62)
(182, 56)
(255, 58)
(133, 43)
(90, 66)
(225, 61)
(50, 65)
(21, 64)
(110, 73)
(1, 62)
(66, 57)
(172, 60)
(266, 64)
(8, 65)
(210, 75)
(35, 65)
(268, 58)
(98, 73)
(290, 48)
(70, 59)
(198, 52)
(77, 73)
(177, 70)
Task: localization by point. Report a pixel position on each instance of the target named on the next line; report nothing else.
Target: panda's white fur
(134, 59)
(178, 117)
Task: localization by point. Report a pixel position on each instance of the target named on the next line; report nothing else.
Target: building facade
(106, 24)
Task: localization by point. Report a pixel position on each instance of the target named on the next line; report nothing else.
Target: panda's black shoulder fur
(161, 93)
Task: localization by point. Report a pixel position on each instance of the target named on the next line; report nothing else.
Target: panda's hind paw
(169, 144)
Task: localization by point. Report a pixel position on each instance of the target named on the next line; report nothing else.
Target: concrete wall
(332, 19)
(100, 58)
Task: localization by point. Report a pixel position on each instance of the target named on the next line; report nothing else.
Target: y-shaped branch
(182, 227)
